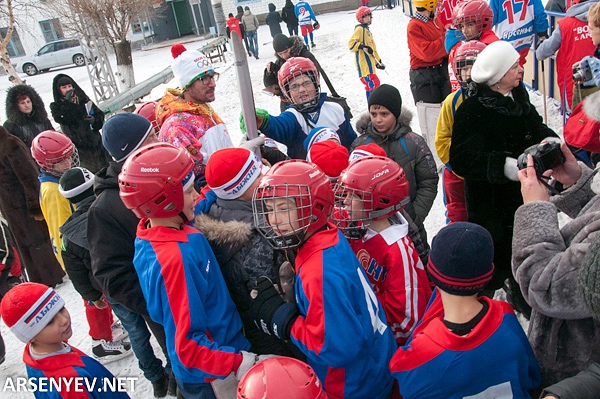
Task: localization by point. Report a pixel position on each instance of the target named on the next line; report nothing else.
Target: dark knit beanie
(589, 278)
(76, 184)
(65, 80)
(461, 259)
(281, 43)
(124, 133)
(387, 96)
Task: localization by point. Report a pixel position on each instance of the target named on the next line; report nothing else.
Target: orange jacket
(426, 42)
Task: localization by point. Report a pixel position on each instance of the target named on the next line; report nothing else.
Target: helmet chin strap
(183, 217)
(382, 212)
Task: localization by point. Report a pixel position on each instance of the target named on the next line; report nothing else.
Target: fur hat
(367, 150)
(330, 156)
(461, 259)
(64, 80)
(387, 96)
(189, 65)
(319, 134)
(493, 62)
(281, 43)
(76, 184)
(589, 278)
(124, 133)
(230, 171)
(27, 308)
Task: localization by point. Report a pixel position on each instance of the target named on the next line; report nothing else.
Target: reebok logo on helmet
(150, 170)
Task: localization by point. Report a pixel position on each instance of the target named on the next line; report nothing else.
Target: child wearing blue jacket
(179, 274)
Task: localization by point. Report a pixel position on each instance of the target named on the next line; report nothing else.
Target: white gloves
(511, 169)
(252, 144)
(247, 362)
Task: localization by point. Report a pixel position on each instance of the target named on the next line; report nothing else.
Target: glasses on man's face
(207, 78)
(305, 85)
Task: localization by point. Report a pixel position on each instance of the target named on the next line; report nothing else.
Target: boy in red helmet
(179, 274)
(371, 192)
(337, 321)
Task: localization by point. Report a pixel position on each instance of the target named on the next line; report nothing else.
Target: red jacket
(426, 42)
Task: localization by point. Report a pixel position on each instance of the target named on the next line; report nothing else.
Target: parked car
(51, 55)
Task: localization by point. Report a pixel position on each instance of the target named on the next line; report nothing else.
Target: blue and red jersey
(186, 294)
(342, 327)
(493, 360)
(71, 375)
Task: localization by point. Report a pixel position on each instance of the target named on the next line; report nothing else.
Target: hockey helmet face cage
(54, 152)
(148, 111)
(153, 180)
(363, 12)
(429, 5)
(478, 11)
(464, 57)
(280, 377)
(296, 92)
(293, 198)
(371, 188)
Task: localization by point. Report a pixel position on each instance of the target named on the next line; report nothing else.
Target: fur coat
(19, 204)
(25, 126)
(546, 260)
(488, 128)
(85, 135)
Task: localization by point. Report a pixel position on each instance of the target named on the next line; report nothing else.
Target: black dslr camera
(546, 156)
(582, 75)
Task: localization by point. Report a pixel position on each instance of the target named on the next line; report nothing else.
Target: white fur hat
(493, 62)
(189, 65)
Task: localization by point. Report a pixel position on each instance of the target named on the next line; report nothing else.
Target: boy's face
(382, 119)
(465, 73)
(61, 167)
(189, 200)
(469, 30)
(57, 331)
(594, 33)
(367, 19)
(25, 105)
(282, 216)
(64, 89)
(302, 89)
(355, 207)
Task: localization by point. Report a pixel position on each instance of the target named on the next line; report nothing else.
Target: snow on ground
(389, 30)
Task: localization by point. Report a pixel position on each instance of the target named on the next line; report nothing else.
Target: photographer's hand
(531, 187)
(569, 172)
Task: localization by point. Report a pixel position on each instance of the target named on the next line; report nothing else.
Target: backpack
(581, 131)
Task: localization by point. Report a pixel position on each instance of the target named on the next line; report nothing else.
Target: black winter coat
(489, 127)
(76, 253)
(273, 20)
(25, 126)
(411, 152)
(85, 136)
(19, 204)
(244, 256)
(111, 237)
(289, 15)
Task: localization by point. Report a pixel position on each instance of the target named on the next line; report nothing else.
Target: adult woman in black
(26, 115)
(491, 129)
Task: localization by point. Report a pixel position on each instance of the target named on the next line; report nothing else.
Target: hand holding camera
(587, 72)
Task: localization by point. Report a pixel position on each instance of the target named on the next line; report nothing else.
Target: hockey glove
(366, 49)
(262, 118)
(541, 37)
(380, 65)
(249, 359)
(316, 25)
(592, 65)
(271, 314)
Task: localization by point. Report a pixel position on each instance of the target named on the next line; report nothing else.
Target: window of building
(52, 30)
(136, 26)
(14, 47)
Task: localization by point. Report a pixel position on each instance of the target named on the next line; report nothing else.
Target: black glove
(366, 49)
(380, 65)
(271, 314)
(541, 37)
(316, 25)
(89, 119)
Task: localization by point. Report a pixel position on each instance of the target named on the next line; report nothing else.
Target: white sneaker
(109, 351)
(118, 332)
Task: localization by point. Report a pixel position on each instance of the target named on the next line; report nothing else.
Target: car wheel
(79, 59)
(30, 69)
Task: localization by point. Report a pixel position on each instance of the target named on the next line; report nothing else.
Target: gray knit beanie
(589, 278)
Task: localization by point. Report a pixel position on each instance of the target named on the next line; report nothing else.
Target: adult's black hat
(281, 42)
(64, 80)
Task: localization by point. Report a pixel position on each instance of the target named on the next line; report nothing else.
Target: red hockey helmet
(363, 12)
(153, 180)
(148, 111)
(465, 55)
(280, 377)
(289, 71)
(371, 188)
(49, 148)
(473, 10)
(293, 198)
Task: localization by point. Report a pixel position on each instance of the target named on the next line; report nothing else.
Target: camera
(546, 156)
(69, 95)
(582, 75)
